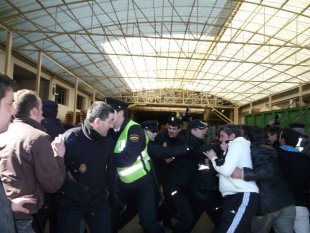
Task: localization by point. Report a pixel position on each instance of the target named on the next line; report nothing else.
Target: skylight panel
(245, 11)
(296, 5)
(280, 88)
(273, 3)
(229, 96)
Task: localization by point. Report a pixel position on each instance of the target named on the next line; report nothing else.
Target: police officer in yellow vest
(132, 163)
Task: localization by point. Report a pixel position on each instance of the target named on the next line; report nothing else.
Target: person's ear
(34, 111)
(232, 136)
(96, 122)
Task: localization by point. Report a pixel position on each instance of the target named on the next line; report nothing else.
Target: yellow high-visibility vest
(139, 168)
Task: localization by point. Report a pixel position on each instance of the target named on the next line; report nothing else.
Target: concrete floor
(204, 225)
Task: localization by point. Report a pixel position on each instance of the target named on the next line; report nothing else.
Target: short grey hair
(98, 109)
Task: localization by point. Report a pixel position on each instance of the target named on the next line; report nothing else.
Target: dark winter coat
(273, 193)
(296, 173)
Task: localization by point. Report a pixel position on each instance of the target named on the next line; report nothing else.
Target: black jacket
(161, 152)
(162, 168)
(296, 173)
(181, 172)
(273, 193)
(53, 127)
(87, 157)
(205, 177)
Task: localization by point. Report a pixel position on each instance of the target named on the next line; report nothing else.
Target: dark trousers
(46, 215)
(238, 211)
(209, 201)
(96, 215)
(121, 212)
(143, 194)
(166, 209)
(183, 207)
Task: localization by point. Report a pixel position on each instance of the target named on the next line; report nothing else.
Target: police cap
(197, 124)
(174, 121)
(116, 103)
(150, 125)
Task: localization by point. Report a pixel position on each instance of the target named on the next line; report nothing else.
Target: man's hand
(17, 204)
(237, 173)
(210, 154)
(58, 146)
(224, 146)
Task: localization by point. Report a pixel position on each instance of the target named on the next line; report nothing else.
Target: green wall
(285, 116)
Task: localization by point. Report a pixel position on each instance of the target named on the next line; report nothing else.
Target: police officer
(132, 163)
(159, 151)
(167, 138)
(84, 193)
(204, 185)
(180, 174)
(155, 152)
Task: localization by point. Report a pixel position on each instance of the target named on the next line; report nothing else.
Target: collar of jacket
(29, 121)
(90, 132)
(50, 121)
(289, 148)
(194, 142)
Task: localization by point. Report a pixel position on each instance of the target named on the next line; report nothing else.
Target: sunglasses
(153, 131)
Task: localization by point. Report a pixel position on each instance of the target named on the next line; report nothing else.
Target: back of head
(255, 134)
(244, 130)
(290, 136)
(6, 84)
(98, 109)
(24, 101)
(275, 129)
(231, 129)
(49, 109)
(298, 126)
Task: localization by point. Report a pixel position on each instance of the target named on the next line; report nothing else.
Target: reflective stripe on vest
(136, 170)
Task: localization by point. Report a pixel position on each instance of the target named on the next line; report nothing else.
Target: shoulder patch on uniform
(134, 137)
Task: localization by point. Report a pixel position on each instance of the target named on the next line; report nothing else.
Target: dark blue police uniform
(162, 168)
(143, 190)
(136, 184)
(84, 193)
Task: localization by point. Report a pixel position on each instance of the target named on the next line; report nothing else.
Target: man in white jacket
(240, 198)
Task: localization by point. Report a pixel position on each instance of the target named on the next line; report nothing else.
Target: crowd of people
(98, 176)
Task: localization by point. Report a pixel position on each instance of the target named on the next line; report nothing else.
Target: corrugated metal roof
(239, 51)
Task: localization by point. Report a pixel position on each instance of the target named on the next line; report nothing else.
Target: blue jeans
(301, 224)
(282, 221)
(24, 226)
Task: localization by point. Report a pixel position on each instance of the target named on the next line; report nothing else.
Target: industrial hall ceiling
(232, 51)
